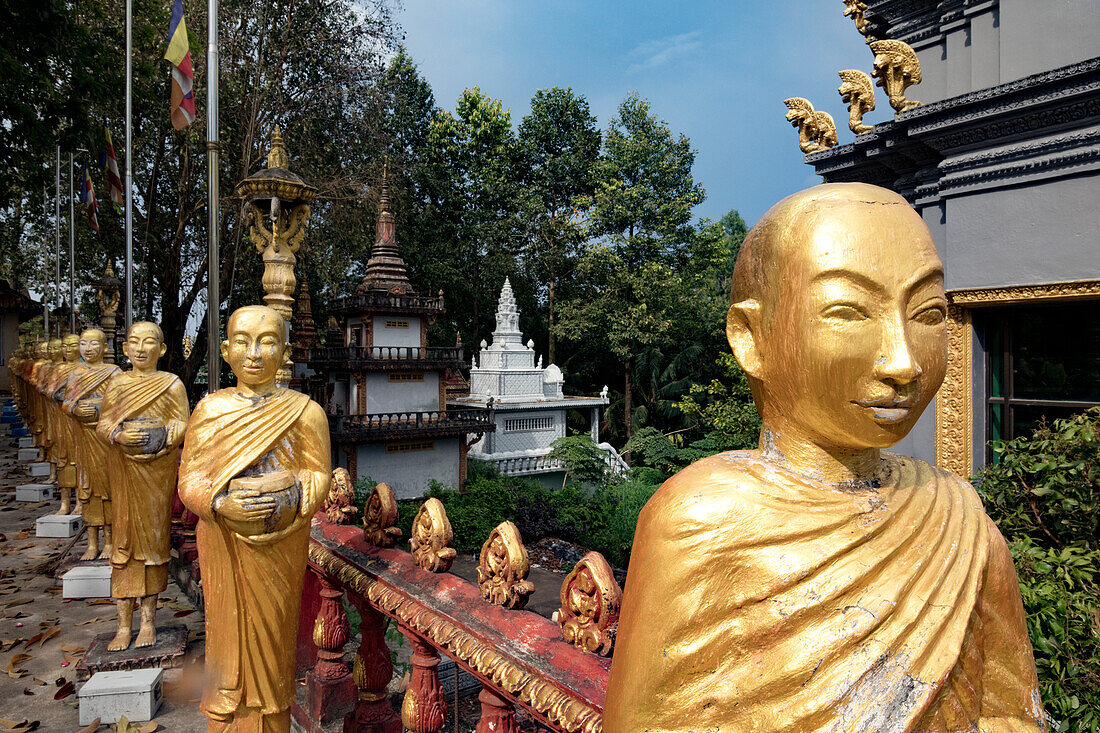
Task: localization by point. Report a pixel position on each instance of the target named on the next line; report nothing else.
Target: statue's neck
(837, 466)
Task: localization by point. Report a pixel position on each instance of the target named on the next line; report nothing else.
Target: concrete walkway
(31, 608)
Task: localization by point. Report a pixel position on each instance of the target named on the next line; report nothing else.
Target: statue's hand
(84, 410)
(131, 437)
(242, 506)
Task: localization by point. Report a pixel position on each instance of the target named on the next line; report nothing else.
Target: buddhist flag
(179, 53)
(88, 197)
(114, 182)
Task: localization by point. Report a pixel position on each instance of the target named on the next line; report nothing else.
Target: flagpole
(72, 246)
(213, 254)
(57, 233)
(129, 277)
(45, 262)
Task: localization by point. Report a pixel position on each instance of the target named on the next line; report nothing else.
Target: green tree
(559, 144)
(473, 200)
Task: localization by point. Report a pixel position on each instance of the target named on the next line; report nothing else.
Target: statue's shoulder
(709, 490)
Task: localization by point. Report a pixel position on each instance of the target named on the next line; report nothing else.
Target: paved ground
(43, 637)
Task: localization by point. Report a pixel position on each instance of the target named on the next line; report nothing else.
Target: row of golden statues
(895, 69)
(252, 462)
(818, 583)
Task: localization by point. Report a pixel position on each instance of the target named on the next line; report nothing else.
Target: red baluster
(330, 691)
(424, 706)
(497, 715)
(372, 672)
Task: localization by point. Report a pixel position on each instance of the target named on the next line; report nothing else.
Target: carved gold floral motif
(340, 505)
(896, 68)
(380, 517)
(563, 710)
(816, 130)
(503, 566)
(431, 535)
(858, 92)
(590, 601)
(856, 9)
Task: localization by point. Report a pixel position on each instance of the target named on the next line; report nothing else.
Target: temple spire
(507, 335)
(385, 269)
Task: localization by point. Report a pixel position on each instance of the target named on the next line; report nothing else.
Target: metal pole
(129, 276)
(57, 236)
(45, 263)
(72, 246)
(213, 266)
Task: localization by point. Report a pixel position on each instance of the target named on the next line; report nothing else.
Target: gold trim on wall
(955, 401)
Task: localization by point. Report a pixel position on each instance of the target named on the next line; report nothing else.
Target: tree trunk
(550, 302)
(626, 402)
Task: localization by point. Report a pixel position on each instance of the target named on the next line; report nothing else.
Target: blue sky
(716, 70)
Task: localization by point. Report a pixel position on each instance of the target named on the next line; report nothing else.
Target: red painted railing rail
(520, 658)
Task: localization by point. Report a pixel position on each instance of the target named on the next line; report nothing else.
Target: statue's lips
(887, 411)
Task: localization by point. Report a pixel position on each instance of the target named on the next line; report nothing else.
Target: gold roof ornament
(855, 9)
(896, 68)
(380, 517)
(431, 537)
(340, 504)
(590, 602)
(503, 567)
(816, 129)
(858, 92)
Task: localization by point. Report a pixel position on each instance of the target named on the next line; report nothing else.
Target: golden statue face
(70, 347)
(93, 342)
(55, 350)
(144, 345)
(42, 351)
(255, 346)
(856, 346)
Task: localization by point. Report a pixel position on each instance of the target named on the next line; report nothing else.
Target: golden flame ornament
(431, 537)
(503, 567)
(590, 601)
(380, 517)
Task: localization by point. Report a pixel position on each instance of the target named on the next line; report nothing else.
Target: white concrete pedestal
(34, 492)
(27, 455)
(26, 442)
(87, 581)
(40, 469)
(58, 526)
(109, 696)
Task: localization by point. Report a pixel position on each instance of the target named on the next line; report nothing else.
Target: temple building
(384, 387)
(1002, 160)
(526, 402)
(16, 306)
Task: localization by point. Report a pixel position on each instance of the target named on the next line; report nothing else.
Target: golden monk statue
(256, 466)
(83, 398)
(47, 384)
(143, 416)
(64, 447)
(36, 374)
(821, 583)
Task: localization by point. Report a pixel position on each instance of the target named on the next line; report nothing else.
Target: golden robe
(141, 490)
(759, 600)
(60, 427)
(252, 585)
(92, 480)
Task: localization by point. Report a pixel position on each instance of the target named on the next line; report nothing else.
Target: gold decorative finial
(816, 130)
(340, 505)
(858, 92)
(277, 158)
(431, 535)
(896, 68)
(856, 9)
(380, 517)
(590, 601)
(503, 566)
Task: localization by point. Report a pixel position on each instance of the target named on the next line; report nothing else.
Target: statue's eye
(931, 316)
(845, 312)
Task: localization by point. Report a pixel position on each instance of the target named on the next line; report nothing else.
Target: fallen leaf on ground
(38, 681)
(64, 691)
(101, 602)
(19, 659)
(28, 691)
(72, 649)
(18, 602)
(90, 727)
(181, 614)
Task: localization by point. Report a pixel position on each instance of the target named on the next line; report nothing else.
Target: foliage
(585, 462)
(1043, 494)
(724, 408)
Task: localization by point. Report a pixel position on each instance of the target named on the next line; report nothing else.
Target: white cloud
(660, 51)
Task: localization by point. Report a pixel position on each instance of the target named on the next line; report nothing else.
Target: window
(410, 446)
(1043, 362)
(525, 424)
(405, 377)
(397, 324)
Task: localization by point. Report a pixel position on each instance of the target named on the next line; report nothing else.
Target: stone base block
(110, 696)
(87, 581)
(39, 469)
(28, 455)
(19, 432)
(10, 419)
(26, 442)
(34, 492)
(329, 700)
(58, 526)
(167, 653)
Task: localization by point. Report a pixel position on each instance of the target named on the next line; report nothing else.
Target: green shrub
(1043, 494)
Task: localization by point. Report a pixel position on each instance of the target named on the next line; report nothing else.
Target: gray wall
(386, 396)
(396, 336)
(409, 473)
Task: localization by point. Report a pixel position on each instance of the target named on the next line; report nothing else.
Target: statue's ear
(225, 351)
(743, 333)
